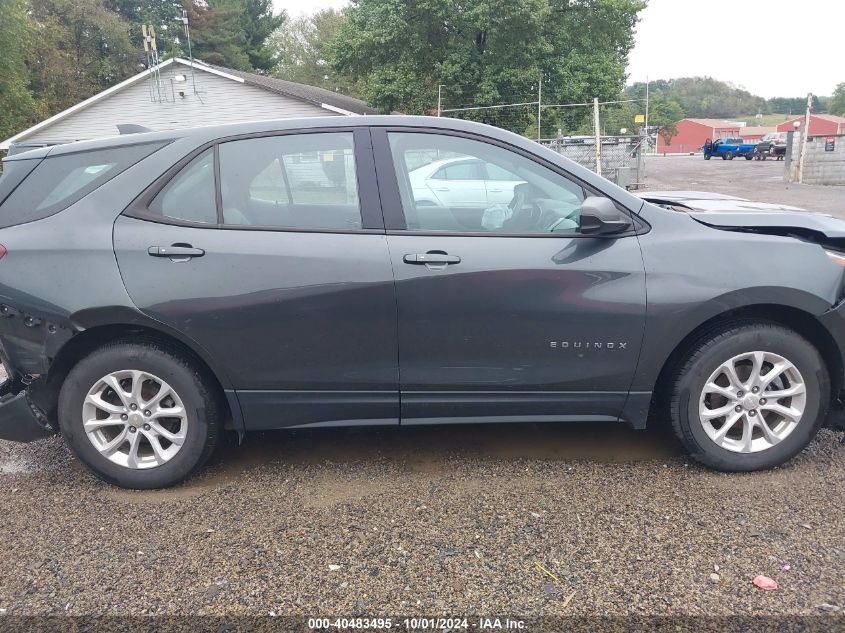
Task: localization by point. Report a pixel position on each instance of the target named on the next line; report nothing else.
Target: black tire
(707, 157)
(749, 156)
(716, 348)
(203, 408)
(729, 155)
(724, 157)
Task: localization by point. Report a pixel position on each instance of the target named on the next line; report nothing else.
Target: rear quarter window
(57, 182)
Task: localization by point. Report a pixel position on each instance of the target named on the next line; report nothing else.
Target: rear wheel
(729, 155)
(749, 397)
(749, 156)
(138, 415)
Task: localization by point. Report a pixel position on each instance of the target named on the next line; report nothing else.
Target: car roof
(212, 132)
(198, 136)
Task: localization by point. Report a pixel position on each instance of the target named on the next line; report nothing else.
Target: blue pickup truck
(728, 148)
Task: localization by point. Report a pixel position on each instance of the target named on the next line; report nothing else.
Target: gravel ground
(523, 520)
(536, 519)
(755, 180)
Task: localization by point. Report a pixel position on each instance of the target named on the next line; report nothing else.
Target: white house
(179, 93)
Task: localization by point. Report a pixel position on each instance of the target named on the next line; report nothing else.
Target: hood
(706, 201)
(816, 227)
(730, 213)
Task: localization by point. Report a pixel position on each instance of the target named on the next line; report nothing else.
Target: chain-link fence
(621, 157)
(571, 129)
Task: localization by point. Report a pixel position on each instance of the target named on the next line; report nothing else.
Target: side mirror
(599, 216)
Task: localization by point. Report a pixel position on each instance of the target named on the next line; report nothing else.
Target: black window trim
(369, 201)
(394, 216)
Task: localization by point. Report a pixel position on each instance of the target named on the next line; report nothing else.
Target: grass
(768, 120)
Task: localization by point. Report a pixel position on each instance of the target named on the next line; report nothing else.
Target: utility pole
(597, 132)
(439, 87)
(646, 109)
(190, 52)
(539, 105)
(804, 134)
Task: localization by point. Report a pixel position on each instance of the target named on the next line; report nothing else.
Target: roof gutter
(332, 108)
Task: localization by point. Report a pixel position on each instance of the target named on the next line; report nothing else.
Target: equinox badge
(589, 344)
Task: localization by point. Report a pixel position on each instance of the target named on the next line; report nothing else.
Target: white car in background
(462, 182)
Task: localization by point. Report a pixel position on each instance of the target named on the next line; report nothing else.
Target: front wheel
(749, 397)
(139, 415)
(729, 155)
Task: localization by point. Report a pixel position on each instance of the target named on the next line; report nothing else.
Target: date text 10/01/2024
(414, 624)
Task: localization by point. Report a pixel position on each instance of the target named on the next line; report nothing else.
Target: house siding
(220, 100)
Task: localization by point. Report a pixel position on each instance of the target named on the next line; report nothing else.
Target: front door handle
(176, 251)
(431, 258)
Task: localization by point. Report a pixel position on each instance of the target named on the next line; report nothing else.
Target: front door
(518, 316)
(281, 273)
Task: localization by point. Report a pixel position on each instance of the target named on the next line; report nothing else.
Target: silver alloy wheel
(752, 402)
(134, 419)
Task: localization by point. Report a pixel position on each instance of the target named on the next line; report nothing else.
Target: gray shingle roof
(311, 94)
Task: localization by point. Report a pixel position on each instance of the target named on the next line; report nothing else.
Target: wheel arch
(46, 392)
(804, 323)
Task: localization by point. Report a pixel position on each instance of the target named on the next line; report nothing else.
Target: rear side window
(190, 196)
(291, 181)
(58, 182)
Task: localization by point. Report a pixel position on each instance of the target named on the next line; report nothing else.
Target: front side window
(508, 192)
(293, 181)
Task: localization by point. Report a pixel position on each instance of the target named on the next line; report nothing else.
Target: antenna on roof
(153, 61)
(190, 52)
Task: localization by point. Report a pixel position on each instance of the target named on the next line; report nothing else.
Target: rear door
(270, 253)
(515, 316)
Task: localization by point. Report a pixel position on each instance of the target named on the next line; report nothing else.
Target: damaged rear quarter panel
(58, 269)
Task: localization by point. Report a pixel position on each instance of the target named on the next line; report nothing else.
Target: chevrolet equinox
(159, 289)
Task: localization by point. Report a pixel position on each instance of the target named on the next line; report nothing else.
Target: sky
(773, 48)
(808, 55)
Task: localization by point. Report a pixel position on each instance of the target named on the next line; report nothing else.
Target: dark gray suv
(159, 289)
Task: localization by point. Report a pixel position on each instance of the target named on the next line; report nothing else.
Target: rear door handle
(431, 258)
(175, 251)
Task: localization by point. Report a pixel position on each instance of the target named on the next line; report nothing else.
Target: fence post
(597, 133)
(804, 134)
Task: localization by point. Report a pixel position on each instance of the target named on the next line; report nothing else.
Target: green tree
(704, 97)
(487, 52)
(793, 105)
(836, 103)
(302, 47)
(259, 22)
(234, 33)
(165, 17)
(83, 48)
(17, 106)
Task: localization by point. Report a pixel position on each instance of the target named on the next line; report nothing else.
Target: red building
(693, 132)
(753, 133)
(820, 124)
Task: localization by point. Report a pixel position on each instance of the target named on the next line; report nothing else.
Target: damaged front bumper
(20, 419)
